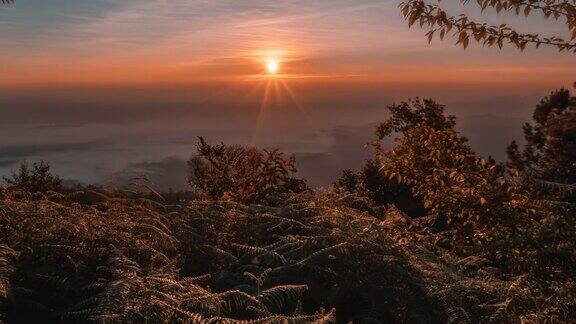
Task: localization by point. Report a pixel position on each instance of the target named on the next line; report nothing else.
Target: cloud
(140, 38)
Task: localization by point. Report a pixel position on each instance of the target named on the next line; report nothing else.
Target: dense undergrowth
(425, 232)
(69, 258)
(90, 256)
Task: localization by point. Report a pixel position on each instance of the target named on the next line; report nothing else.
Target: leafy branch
(439, 22)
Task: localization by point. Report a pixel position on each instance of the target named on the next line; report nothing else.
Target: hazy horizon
(101, 89)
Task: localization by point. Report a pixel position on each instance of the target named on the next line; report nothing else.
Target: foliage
(128, 260)
(105, 256)
(37, 179)
(348, 181)
(122, 260)
(404, 118)
(242, 174)
(550, 150)
(439, 22)
(257, 249)
(381, 191)
(116, 261)
(474, 206)
(456, 186)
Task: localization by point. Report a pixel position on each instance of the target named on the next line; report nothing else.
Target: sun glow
(278, 101)
(272, 66)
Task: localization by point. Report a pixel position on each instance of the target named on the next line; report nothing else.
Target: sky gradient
(100, 87)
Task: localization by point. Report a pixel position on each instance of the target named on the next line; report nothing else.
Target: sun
(272, 66)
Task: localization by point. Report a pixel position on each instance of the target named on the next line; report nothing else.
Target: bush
(550, 150)
(261, 247)
(381, 191)
(105, 256)
(77, 262)
(476, 208)
(242, 174)
(455, 185)
(37, 179)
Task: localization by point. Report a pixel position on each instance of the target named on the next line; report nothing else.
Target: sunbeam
(261, 114)
(298, 105)
(278, 99)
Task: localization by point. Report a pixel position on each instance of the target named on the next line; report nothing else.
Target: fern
(458, 315)
(341, 248)
(7, 256)
(124, 260)
(259, 253)
(235, 300)
(555, 205)
(221, 254)
(278, 297)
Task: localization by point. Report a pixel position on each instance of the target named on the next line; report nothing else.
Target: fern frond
(197, 279)
(457, 315)
(188, 316)
(7, 257)
(341, 248)
(554, 204)
(563, 189)
(277, 298)
(299, 309)
(258, 252)
(238, 300)
(225, 256)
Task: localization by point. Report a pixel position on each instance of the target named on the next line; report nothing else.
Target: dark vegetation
(243, 174)
(550, 150)
(426, 232)
(35, 179)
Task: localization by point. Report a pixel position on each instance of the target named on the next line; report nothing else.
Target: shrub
(105, 256)
(550, 150)
(35, 179)
(242, 174)
(221, 261)
(371, 183)
(455, 184)
(473, 204)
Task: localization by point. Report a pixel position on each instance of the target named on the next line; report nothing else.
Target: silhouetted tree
(348, 181)
(430, 15)
(35, 179)
(550, 150)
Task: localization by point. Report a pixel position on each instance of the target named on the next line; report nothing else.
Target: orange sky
(147, 42)
(96, 87)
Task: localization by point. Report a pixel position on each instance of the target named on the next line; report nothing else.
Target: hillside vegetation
(426, 232)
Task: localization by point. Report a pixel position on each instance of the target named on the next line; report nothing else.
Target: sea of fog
(108, 134)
